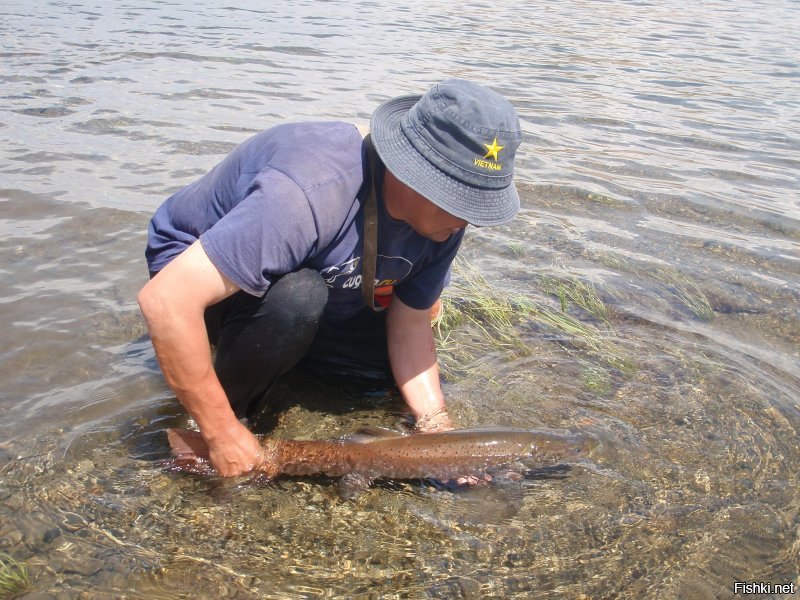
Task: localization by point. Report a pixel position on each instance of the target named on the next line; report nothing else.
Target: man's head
(423, 216)
(455, 147)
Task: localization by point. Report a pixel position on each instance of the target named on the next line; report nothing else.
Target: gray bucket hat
(455, 145)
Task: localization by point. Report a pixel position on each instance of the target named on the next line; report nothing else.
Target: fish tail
(190, 455)
(187, 445)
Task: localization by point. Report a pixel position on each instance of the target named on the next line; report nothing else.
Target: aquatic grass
(471, 329)
(596, 379)
(516, 249)
(597, 339)
(14, 577)
(578, 292)
(686, 290)
(479, 320)
(474, 323)
(669, 280)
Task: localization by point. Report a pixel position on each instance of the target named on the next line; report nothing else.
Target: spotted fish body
(386, 454)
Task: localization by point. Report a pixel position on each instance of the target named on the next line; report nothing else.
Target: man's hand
(236, 452)
(440, 421)
(412, 354)
(433, 422)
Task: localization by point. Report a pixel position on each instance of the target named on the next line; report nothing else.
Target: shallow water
(660, 168)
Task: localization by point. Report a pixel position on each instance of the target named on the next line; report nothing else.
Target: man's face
(422, 215)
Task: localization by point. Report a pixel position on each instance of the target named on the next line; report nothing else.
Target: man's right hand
(173, 303)
(235, 452)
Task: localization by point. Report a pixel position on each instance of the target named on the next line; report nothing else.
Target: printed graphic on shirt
(347, 275)
(331, 274)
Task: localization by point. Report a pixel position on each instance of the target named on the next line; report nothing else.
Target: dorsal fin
(365, 435)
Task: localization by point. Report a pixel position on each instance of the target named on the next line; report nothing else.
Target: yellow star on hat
(493, 149)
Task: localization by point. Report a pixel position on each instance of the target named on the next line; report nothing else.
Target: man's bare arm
(173, 304)
(412, 354)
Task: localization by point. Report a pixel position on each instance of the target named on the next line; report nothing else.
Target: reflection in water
(659, 173)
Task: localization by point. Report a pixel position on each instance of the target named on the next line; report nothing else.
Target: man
(263, 256)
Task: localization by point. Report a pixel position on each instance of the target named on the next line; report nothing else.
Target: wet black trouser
(259, 339)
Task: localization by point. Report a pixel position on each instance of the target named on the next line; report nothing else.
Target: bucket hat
(455, 145)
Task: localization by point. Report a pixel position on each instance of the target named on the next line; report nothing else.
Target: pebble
(85, 566)
(73, 522)
(11, 538)
(37, 531)
(15, 502)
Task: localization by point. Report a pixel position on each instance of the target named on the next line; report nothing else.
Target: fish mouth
(602, 445)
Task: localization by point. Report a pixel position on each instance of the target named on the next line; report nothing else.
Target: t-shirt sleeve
(271, 232)
(422, 289)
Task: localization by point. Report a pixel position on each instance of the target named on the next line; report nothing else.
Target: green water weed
(516, 249)
(479, 320)
(687, 292)
(577, 292)
(14, 577)
(667, 280)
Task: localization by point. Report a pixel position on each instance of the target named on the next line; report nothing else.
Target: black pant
(259, 339)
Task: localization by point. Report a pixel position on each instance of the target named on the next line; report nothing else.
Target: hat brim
(476, 205)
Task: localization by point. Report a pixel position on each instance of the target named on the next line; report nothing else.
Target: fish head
(575, 445)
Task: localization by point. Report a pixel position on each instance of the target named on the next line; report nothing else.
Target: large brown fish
(380, 453)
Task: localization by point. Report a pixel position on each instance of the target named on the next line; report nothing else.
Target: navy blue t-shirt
(292, 197)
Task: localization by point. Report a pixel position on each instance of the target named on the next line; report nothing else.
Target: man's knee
(299, 297)
(262, 338)
(308, 285)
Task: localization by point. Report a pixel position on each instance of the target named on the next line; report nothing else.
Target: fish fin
(364, 435)
(560, 471)
(352, 484)
(192, 466)
(187, 445)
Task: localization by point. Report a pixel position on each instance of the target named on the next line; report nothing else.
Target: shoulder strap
(370, 233)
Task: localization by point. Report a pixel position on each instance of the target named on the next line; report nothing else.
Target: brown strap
(370, 233)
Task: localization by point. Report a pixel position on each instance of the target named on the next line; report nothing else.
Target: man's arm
(173, 304)
(412, 354)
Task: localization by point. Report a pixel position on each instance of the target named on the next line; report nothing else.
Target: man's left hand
(433, 422)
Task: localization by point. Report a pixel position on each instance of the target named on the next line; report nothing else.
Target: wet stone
(85, 566)
(35, 595)
(37, 532)
(15, 502)
(51, 534)
(73, 522)
(10, 538)
(469, 588)
(5, 456)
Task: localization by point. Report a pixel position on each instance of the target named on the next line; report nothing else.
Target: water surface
(659, 169)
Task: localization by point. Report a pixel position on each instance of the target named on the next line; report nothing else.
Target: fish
(376, 453)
